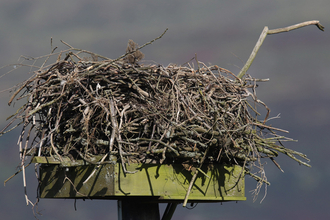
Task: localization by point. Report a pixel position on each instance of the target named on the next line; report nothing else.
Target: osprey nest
(130, 112)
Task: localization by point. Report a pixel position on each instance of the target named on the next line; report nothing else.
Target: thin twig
(192, 181)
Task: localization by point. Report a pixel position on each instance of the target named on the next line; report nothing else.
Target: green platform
(162, 183)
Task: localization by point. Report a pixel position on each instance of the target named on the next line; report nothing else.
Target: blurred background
(219, 32)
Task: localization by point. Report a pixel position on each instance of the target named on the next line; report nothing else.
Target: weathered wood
(159, 183)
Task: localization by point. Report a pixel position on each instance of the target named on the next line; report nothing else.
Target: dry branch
(263, 35)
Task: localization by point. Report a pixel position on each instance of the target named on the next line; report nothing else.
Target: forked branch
(263, 35)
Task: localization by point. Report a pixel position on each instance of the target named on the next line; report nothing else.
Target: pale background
(220, 32)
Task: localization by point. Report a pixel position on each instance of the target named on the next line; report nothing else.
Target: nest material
(81, 108)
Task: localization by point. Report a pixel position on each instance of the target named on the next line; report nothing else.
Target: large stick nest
(80, 108)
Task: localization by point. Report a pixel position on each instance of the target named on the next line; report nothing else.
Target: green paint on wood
(157, 182)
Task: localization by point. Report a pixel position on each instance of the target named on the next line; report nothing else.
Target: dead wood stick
(20, 89)
(73, 185)
(43, 105)
(193, 179)
(85, 51)
(25, 166)
(259, 179)
(54, 148)
(269, 127)
(263, 35)
(157, 141)
(296, 26)
(95, 169)
(113, 112)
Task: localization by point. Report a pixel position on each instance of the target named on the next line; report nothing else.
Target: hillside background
(219, 32)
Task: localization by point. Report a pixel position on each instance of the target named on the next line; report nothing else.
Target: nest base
(155, 182)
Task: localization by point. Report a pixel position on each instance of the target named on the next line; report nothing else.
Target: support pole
(129, 209)
(169, 211)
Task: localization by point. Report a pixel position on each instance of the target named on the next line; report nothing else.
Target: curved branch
(274, 31)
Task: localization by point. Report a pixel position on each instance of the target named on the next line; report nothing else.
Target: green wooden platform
(161, 183)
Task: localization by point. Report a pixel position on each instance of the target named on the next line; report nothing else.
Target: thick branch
(274, 31)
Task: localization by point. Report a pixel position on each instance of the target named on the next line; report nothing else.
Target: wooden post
(131, 209)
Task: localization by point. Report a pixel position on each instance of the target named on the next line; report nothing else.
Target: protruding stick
(274, 31)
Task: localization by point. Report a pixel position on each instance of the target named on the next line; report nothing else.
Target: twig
(95, 169)
(74, 186)
(269, 127)
(193, 179)
(25, 166)
(256, 177)
(84, 51)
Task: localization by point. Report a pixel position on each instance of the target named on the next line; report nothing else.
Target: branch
(296, 26)
(274, 31)
(254, 52)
